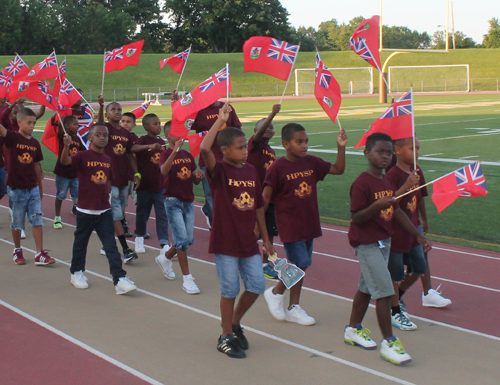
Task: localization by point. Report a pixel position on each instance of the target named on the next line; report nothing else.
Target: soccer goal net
(431, 78)
(356, 80)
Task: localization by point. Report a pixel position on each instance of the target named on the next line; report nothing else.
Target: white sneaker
(275, 303)
(434, 299)
(165, 266)
(358, 336)
(23, 234)
(102, 252)
(400, 321)
(139, 245)
(298, 315)
(124, 286)
(79, 280)
(393, 351)
(189, 286)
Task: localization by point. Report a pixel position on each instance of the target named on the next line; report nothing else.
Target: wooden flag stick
(418, 188)
(60, 122)
(289, 75)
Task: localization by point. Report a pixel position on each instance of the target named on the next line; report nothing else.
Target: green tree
(405, 38)
(461, 40)
(492, 38)
(223, 26)
(331, 30)
(11, 26)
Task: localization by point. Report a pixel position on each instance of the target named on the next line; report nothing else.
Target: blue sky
(471, 17)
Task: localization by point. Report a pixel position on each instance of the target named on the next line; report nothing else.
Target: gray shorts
(375, 278)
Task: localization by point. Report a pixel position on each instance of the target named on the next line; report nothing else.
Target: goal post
(429, 78)
(352, 80)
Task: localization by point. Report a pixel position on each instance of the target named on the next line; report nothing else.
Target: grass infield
(452, 130)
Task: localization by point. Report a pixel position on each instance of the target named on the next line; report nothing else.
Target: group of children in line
(252, 195)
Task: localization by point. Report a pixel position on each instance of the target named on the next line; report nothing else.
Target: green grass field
(450, 129)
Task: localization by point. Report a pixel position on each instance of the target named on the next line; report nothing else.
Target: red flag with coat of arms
(139, 111)
(269, 56)
(34, 90)
(17, 68)
(327, 90)
(396, 121)
(365, 41)
(119, 58)
(177, 62)
(68, 95)
(46, 69)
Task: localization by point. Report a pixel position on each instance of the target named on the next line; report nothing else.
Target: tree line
(90, 26)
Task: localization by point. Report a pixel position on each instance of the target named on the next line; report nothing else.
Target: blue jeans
(25, 202)
(209, 202)
(181, 218)
(119, 200)
(145, 201)
(3, 177)
(229, 269)
(65, 184)
(104, 227)
(299, 253)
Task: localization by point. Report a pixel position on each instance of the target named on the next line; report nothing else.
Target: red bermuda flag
(49, 137)
(36, 91)
(139, 111)
(46, 69)
(60, 79)
(327, 90)
(181, 127)
(119, 58)
(68, 95)
(396, 121)
(466, 182)
(17, 68)
(195, 142)
(365, 41)
(177, 62)
(5, 80)
(269, 56)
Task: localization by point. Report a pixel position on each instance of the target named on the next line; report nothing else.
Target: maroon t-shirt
(94, 171)
(2, 163)
(130, 172)
(23, 154)
(206, 118)
(237, 195)
(119, 145)
(148, 164)
(365, 190)
(295, 196)
(401, 240)
(76, 145)
(261, 156)
(179, 181)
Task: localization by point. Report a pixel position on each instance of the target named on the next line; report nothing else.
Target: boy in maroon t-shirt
(65, 175)
(94, 171)
(119, 150)
(147, 150)
(238, 204)
(128, 122)
(262, 156)
(373, 209)
(24, 185)
(178, 170)
(291, 183)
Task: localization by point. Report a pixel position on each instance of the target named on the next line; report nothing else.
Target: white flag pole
(289, 75)
(185, 64)
(103, 68)
(227, 84)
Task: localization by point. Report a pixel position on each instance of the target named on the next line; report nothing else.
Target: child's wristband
(138, 175)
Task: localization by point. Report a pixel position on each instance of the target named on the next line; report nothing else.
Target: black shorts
(272, 229)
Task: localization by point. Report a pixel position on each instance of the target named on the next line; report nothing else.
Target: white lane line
(210, 315)
(81, 344)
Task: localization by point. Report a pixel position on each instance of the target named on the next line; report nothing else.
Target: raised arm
(262, 129)
(339, 166)
(165, 167)
(3, 130)
(206, 145)
(65, 159)
(143, 147)
(100, 114)
(40, 112)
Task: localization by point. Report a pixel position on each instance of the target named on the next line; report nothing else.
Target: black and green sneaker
(240, 337)
(229, 346)
(129, 255)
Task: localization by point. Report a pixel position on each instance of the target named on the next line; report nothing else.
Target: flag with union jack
(365, 41)
(396, 121)
(177, 62)
(85, 120)
(213, 80)
(327, 90)
(46, 69)
(466, 182)
(5, 80)
(119, 58)
(68, 95)
(139, 111)
(17, 68)
(270, 56)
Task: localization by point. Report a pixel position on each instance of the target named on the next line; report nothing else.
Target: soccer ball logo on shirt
(99, 177)
(268, 164)
(386, 214)
(244, 202)
(155, 158)
(412, 206)
(119, 149)
(25, 158)
(304, 190)
(73, 151)
(184, 174)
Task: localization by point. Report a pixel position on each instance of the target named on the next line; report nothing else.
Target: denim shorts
(229, 269)
(3, 177)
(299, 253)
(65, 184)
(25, 202)
(375, 279)
(119, 200)
(415, 261)
(181, 218)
